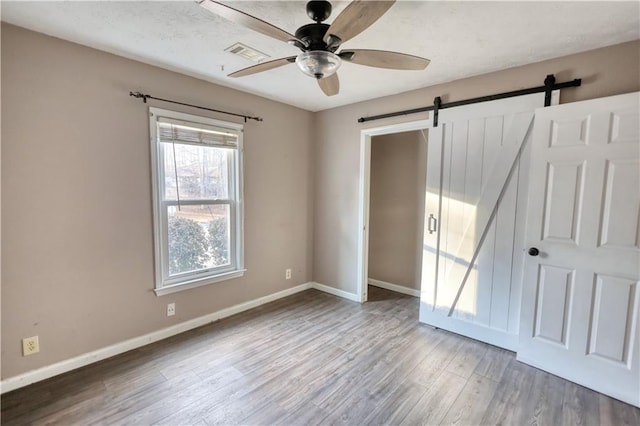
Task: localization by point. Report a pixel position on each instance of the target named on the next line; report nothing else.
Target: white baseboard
(394, 287)
(46, 372)
(336, 292)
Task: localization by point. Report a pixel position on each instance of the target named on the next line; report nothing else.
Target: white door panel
(580, 299)
(555, 286)
(473, 176)
(564, 188)
(619, 225)
(611, 322)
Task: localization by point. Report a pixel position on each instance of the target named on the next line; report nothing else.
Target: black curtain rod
(145, 97)
(549, 86)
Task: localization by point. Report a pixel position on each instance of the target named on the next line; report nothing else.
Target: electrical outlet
(30, 346)
(171, 309)
(287, 274)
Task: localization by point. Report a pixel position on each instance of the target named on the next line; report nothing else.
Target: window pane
(198, 237)
(202, 171)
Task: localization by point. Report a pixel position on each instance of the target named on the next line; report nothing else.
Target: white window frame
(165, 284)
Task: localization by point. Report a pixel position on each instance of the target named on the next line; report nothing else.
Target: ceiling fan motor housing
(312, 35)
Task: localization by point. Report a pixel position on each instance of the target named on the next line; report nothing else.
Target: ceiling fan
(319, 42)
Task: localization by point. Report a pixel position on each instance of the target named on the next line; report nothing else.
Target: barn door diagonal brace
(490, 219)
(549, 86)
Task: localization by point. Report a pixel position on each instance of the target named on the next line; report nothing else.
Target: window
(197, 200)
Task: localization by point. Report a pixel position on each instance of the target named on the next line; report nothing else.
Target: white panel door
(580, 297)
(473, 175)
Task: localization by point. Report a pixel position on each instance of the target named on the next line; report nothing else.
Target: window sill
(198, 283)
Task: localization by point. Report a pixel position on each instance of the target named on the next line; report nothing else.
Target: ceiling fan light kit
(319, 42)
(318, 63)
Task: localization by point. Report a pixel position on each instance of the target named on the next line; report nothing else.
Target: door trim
(364, 193)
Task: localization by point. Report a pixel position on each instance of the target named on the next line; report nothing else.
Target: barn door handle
(432, 221)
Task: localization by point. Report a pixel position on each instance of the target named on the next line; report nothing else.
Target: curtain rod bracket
(144, 98)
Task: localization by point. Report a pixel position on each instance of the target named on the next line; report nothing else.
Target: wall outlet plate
(30, 346)
(287, 274)
(171, 309)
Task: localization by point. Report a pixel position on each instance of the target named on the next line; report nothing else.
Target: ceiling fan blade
(330, 85)
(384, 59)
(356, 18)
(246, 20)
(263, 66)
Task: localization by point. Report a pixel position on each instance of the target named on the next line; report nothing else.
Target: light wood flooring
(313, 358)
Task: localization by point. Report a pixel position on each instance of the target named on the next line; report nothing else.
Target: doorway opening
(392, 183)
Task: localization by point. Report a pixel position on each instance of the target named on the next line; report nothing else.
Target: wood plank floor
(313, 358)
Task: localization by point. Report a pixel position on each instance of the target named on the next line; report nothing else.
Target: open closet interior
(398, 168)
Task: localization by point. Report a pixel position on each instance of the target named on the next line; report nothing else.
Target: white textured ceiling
(462, 39)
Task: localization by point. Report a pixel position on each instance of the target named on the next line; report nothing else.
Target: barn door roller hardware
(549, 86)
(145, 97)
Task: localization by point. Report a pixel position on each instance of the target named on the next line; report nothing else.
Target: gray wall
(607, 71)
(396, 206)
(77, 244)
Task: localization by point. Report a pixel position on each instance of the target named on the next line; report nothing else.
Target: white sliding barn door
(471, 275)
(580, 297)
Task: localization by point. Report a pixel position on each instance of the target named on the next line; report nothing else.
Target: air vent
(246, 52)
